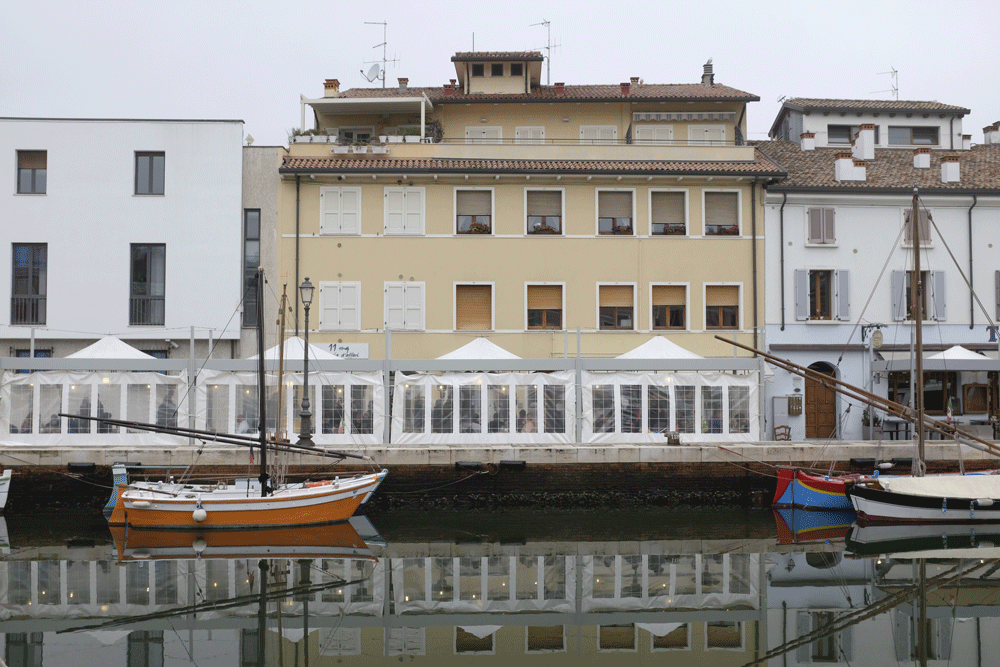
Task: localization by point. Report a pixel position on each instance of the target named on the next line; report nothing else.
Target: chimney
(560, 89)
(966, 142)
(635, 81)
(449, 89)
(625, 89)
(922, 158)
(807, 141)
(708, 76)
(992, 134)
(863, 147)
(949, 169)
(331, 88)
(402, 84)
(846, 168)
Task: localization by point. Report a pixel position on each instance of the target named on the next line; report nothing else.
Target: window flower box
(543, 229)
(623, 229)
(412, 138)
(478, 228)
(359, 149)
(395, 139)
(341, 150)
(380, 150)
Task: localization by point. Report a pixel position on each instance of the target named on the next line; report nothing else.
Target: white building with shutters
(839, 250)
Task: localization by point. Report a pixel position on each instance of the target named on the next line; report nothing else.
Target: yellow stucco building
(497, 206)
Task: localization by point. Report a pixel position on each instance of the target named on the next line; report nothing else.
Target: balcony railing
(146, 311)
(27, 310)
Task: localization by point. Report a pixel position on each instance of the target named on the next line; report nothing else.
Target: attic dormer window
(496, 69)
(478, 69)
(517, 69)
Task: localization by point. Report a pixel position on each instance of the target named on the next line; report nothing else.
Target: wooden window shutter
(413, 306)
(668, 295)
(940, 296)
(394, 306)
(843, 295)
(474, 202)
(349, 316)
(545, 297)
(542, 202)
(350, 210)
(394, 217)
(801, 294)
(616, 295)
(31, 159)
(925, 226)
(721, 208)
(473, 307)
(821, 225)
(614, 204)
(722, 295)
(898, 282)
(668, 207)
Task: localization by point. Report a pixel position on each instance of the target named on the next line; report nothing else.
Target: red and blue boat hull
(801, 490)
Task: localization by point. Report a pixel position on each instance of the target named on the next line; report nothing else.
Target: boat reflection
(796, 525)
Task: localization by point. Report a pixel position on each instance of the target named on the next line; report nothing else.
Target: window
(821, 226)
(614, 212)
(924, 220)
(668, 213)
(23, 648)
(722, 307)
(724, 634)
(29, 285)
(554, 405)
(404, 306)
(350, 135)
(739, 409)
(546, 639)
(913, 136)
(474, 211)
(669, 306)
(659, 409)
(654, 134)
(31, 172)
(544, 211)
(496, 69)
(615, 311)
(149, 169)
(478, 69)
(530, 135)
(474, 307)
(545, 306)
(598, 134)
(404, 210)
(340, 210)
(707, 135)
(149, 274)
(822, 295)
(940, 387)
(251, 260)
(722, 216)
(711, 409)
(844, 134)
(934, 308)
(517, 69)
(339, 306)
(475, 134)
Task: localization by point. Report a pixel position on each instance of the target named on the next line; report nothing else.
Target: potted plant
(379, 148)
(359, 147)
(871, 424)
(479, 228)
(342, 148)
(411, 135)
(542, 228)
(621, 229)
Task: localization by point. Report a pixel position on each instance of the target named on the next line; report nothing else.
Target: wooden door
(821, 408)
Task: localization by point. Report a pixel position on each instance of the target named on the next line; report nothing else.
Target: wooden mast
(917, 310)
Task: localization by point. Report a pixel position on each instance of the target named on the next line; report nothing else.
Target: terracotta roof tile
(762, 166)
(815, 104)
(599, 92)
(497, 55)
(891, 169)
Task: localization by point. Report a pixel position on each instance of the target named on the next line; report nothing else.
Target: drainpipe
(753, 245)
(951, 131)
(972, 294)
(296, 288)
(781, 264)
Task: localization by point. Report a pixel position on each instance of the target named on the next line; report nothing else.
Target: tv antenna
(377, 69)
(895, 84)
(548, 49)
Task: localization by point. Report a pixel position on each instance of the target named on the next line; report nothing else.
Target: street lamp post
(305, 416)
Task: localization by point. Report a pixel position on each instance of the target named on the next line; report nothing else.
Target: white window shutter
(413, 304)
(330, 216)
(803, 654)
(329, 299)
(588, 134)
(898, 295)
(394, 306)
(843, 295)
(608, 134)
(413, 210)
(801, 294)
(350, 210)
(349, 302)
(940, 296)
(394, 222)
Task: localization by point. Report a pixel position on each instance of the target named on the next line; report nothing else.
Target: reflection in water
(739, 595)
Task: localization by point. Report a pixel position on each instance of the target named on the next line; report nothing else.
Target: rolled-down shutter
(668, 207)
(544, 202)
(32, 159)
(722, 295)
(614, 205)
(544, 297)
(473, 307)
(669, 295)
(474, 202)
(616, 295)
(721, 208)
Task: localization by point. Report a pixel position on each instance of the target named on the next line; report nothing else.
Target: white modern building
(129, 228)
(840, 252)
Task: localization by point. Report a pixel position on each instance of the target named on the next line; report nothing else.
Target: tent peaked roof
(957, 352)
(480, 348)
(659, 347)
(295, 348)
(109, 347)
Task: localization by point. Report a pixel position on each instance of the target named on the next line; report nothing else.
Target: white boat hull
(4, 487)
(946, 499)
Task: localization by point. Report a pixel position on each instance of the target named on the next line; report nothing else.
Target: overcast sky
(250, 60)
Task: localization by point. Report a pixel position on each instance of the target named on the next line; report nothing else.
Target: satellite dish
(249, 140)
(373, 72)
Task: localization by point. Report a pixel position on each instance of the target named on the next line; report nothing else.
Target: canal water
(612, 586)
